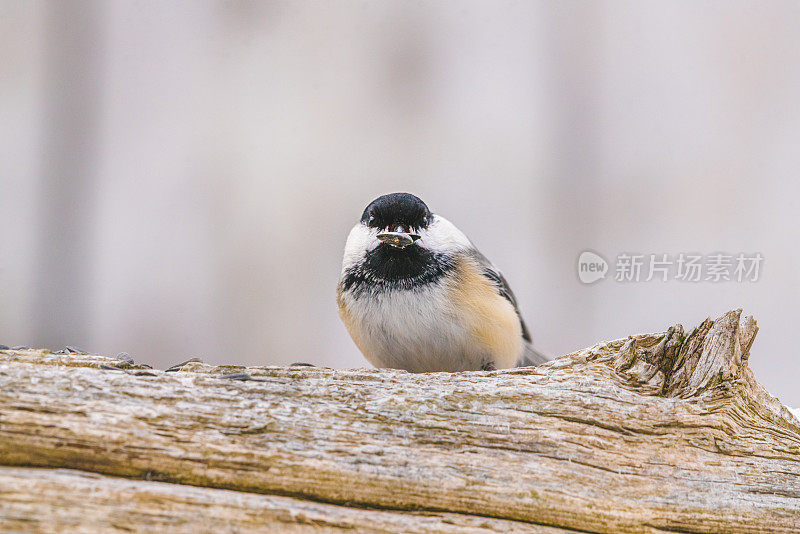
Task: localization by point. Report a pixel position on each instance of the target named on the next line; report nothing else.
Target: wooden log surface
(656, 432)
(57, 501)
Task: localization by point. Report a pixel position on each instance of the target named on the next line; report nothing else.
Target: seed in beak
(397, 239)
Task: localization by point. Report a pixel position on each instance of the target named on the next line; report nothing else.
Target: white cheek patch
(360, 241)
(443, 236)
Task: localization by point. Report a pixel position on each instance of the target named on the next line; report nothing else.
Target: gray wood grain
(657, 432)
(57, 501)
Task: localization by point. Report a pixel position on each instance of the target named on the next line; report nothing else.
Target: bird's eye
(371, 220)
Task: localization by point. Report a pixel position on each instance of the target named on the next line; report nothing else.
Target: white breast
(417, 330)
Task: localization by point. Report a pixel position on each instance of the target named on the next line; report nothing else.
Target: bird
(415, 294)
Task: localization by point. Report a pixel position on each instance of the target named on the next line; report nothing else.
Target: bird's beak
(398, 239)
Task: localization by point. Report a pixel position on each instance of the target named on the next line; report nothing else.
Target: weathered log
(56, 500)
(658, 432)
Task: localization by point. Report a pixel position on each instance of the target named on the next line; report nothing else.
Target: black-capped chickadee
(416, 294)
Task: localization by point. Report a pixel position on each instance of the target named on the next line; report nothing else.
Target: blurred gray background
(178, 178)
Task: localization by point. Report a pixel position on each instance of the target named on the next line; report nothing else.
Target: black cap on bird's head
(399, 216)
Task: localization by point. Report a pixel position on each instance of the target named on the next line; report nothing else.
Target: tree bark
(656, 432)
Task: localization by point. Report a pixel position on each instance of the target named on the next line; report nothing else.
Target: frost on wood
(658, 432)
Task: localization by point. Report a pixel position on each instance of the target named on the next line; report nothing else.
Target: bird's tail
(531, 356)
